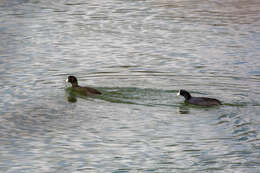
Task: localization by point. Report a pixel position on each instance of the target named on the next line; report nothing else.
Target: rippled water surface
(139, 54)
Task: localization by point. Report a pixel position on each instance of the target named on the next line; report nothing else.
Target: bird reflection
(71, 96)
(182, 109)
(72, 99)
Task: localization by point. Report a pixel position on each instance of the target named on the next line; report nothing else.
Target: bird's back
(87, 90)
(203, 101)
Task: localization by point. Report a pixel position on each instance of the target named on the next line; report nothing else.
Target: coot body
(201, 101)
(82, 90)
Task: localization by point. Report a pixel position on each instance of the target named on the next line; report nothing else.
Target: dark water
(139, 54)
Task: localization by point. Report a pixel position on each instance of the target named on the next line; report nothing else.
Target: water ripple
(139, 54)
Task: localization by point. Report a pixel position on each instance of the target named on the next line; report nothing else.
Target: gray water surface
(139, 54)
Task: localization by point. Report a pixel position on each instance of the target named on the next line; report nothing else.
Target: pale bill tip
(178, 93)
(67, 80)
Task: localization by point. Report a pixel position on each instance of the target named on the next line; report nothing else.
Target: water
(139, 54)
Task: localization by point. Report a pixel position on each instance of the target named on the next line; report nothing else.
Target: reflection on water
(139, 54)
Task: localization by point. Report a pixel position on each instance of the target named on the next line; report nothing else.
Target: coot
(201, 101)
(82, 90)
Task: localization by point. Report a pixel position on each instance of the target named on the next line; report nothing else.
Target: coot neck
(187, 96)
(74, 84)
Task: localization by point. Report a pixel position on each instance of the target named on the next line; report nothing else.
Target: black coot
(201, 101)
(82, 90)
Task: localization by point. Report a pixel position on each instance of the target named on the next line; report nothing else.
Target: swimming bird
(201, 101)
(82, 90)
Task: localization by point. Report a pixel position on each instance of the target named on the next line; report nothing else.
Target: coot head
(73, 80)
(185, 94)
